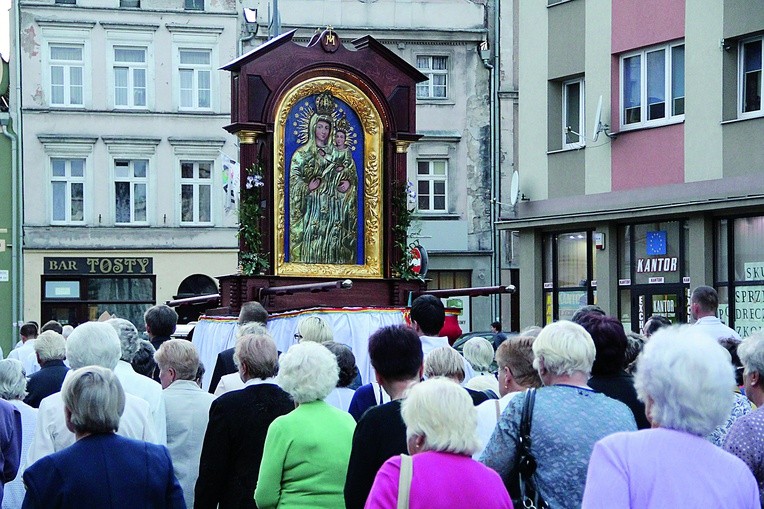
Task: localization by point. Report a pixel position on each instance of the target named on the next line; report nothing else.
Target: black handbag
(527, 495)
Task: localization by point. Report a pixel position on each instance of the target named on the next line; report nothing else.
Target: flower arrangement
(252, 259)
(404, 205)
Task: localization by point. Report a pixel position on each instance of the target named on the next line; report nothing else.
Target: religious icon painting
(328, 168)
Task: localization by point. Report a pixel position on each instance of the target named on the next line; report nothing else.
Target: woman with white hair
(440, 431)
(446, 362)
(13, 389)
(479, 352)
(306, 452)
(568, 418)
(684, 379)
(101, 469)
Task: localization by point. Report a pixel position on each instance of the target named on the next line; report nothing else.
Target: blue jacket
(106, 471)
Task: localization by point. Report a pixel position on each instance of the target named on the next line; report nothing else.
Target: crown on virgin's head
(324, 103)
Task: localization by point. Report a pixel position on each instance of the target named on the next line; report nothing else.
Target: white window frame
(668, 117)
(196, 182)
(68, 180)
(741, 80)
(196, 69)
(133, 181)
(58, 36)
(67, 67)
(132, 68)
(68, 148)
(431, 179)
(132, 39)
(580, 128)
(430, 72)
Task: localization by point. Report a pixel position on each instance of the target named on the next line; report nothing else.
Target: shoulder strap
(527, 415)
(404, 481)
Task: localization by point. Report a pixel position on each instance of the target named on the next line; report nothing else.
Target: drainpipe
(17, 155)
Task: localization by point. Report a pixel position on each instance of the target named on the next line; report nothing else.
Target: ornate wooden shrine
(323, 130)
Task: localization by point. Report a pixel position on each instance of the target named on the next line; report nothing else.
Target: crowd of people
(579, 413)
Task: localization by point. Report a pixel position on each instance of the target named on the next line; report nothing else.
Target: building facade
(451, 168)
(122, 104)
(636, 184)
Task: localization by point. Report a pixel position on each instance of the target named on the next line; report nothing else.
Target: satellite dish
(514, 188)
(597, 129)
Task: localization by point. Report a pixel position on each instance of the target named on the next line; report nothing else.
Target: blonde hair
(479, 353)
(444, 361)
(180, 355)
(565, 347)
(316, 329)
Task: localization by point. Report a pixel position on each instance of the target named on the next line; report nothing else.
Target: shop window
(569, 277)
(739, 277)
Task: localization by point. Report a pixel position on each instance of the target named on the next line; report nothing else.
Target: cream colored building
(122, 107)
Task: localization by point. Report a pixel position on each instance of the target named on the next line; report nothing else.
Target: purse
(528, 494)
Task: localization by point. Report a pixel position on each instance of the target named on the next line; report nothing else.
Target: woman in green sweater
(306, 452)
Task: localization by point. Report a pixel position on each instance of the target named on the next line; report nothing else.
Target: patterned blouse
(741, 407)
(746, 441)
(566, 423)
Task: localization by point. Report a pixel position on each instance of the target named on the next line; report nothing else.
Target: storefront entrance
(670, 301)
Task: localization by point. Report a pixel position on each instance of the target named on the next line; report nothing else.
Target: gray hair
(308, 372)
(95, 399)
(66, 331)
(129, 339)
(565, 347)
(258, 353)
(252, 311)
(93, 344)
(315, 328)
(444, 361)
(250, 328)
(13, 382)
(751, 353)
(50, 346)
(688, 378)
(180, 355)
(479, 352)
(442, 412)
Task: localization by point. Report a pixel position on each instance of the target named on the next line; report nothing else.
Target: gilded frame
(372, 125)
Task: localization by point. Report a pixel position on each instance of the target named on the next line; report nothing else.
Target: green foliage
(402, 201)
(252, 260)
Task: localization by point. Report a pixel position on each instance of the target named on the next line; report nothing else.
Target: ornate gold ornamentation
(247, 137)
(371, 123)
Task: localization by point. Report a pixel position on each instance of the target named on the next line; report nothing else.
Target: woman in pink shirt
(441, 427)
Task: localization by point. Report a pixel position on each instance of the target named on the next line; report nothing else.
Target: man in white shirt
(28, 333)
(703, 306)
(188, 410)
(135, 383)
(427, 317)
(92, 343)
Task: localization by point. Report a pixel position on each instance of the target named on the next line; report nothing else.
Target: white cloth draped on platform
(352, 326)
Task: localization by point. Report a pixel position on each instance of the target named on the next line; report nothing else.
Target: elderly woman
(516, 373)
(684, 378)
(306, 452)
(314, 328)
(446, 362)
(479, 352)
(342, 395)
(238, 423)
(440, 430)
(568, 417)
(139, 474)
(12, 389)
(50, 349)
(188, 410)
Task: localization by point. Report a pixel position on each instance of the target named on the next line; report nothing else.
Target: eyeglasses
(298, 336)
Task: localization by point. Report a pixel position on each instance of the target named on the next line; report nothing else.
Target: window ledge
(562, 150)
(555, 4)
(743, 119)
(438, 102)
(625, 130)
(435, 216)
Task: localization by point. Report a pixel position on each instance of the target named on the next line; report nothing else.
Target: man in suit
(251, 312)
(50, 348)
(238, 424)
(101, 469)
